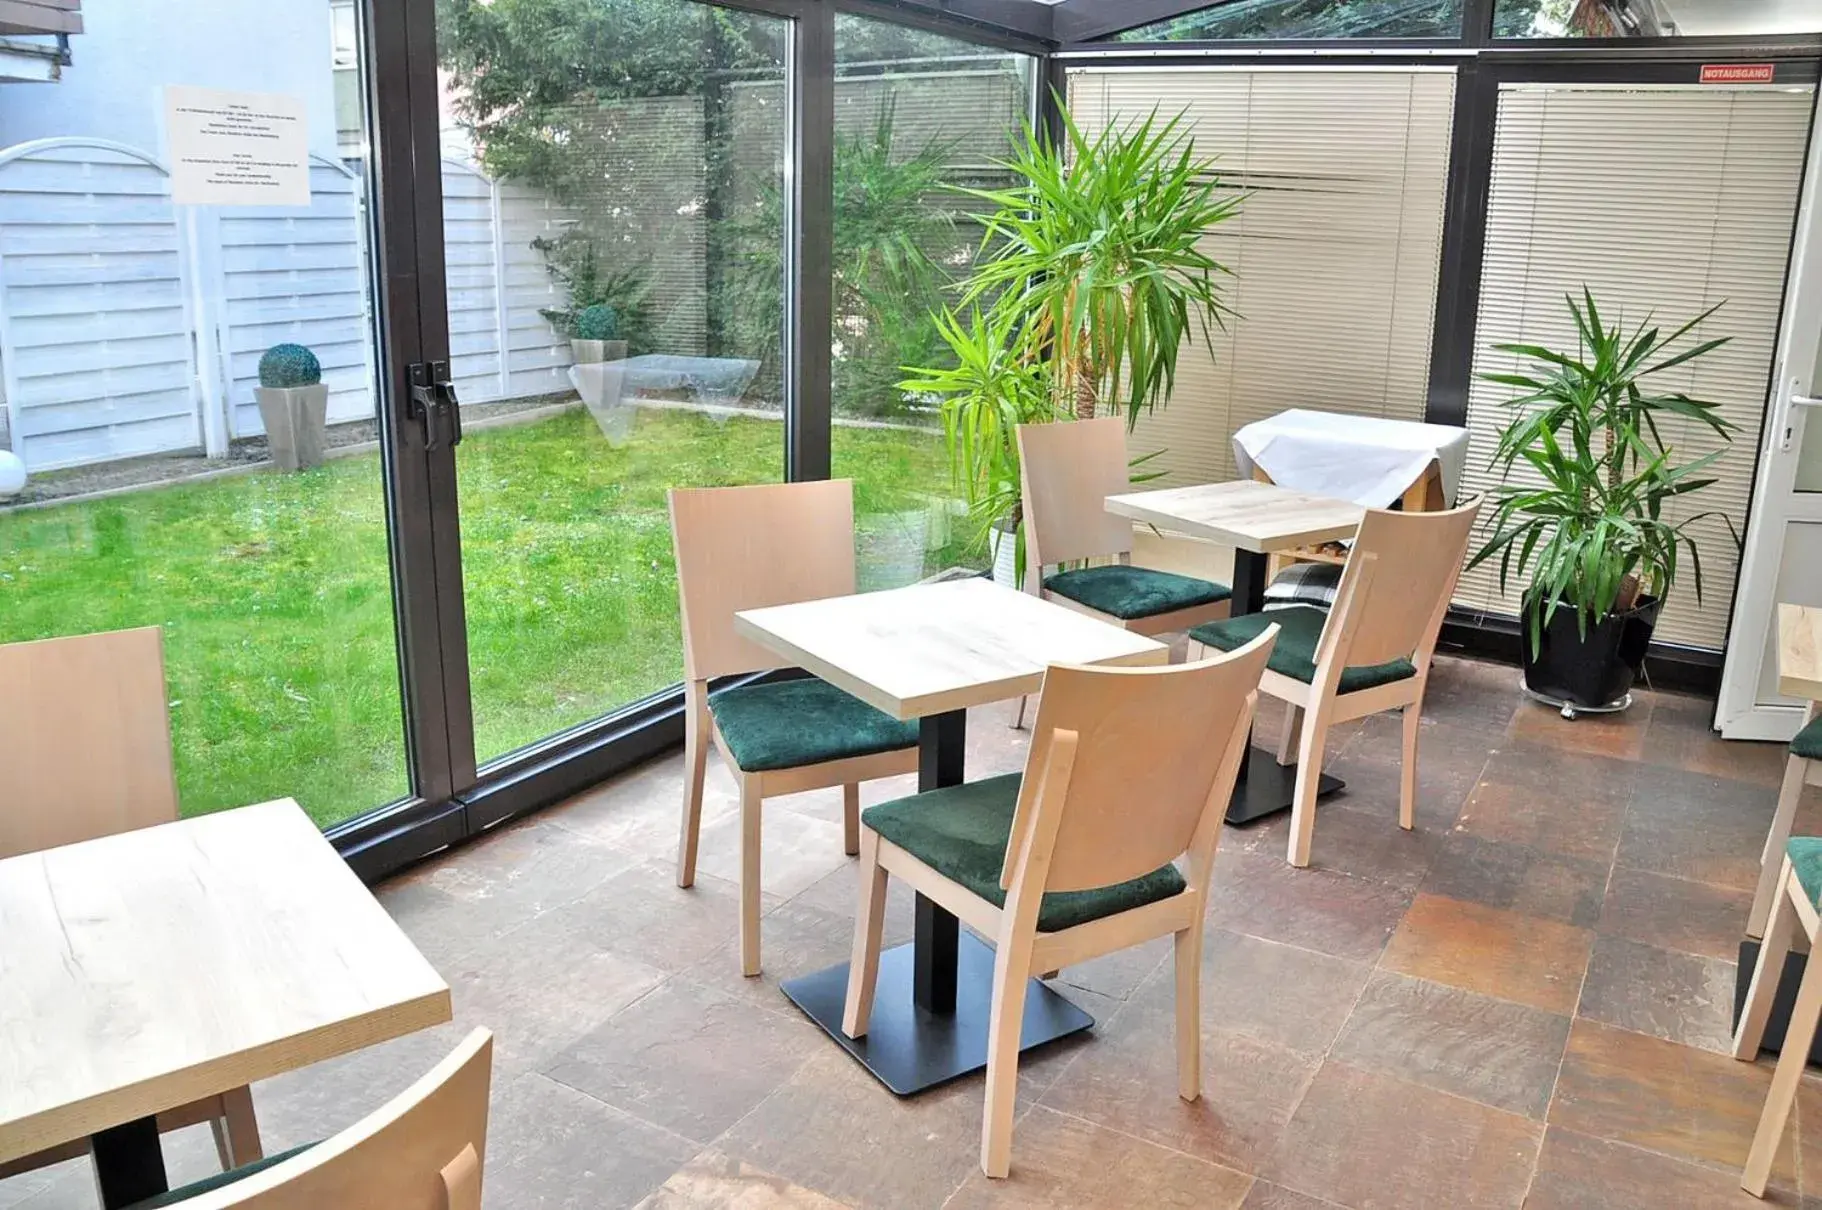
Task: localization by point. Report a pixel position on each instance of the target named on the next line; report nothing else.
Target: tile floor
(1523, 1002)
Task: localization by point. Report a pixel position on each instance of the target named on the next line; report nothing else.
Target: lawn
(274, 591)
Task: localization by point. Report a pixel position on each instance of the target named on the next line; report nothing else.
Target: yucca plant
(1592, 536)
(1097, 255)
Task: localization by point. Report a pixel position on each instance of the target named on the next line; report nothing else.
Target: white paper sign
(236, 148)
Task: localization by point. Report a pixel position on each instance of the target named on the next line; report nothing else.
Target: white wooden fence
(130, 326)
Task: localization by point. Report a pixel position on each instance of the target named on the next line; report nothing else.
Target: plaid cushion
(1304, 584)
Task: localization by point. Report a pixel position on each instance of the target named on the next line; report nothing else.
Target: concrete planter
(590, 352)
(294, 418)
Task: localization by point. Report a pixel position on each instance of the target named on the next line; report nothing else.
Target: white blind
(1665, 199)
(1335, 254)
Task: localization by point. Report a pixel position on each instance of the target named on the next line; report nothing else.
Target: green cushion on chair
(789, 724)
(209, 1184)
(1134, 592)
(1805, 853)
(962, 831)
(1295, 653)
(1808, 743)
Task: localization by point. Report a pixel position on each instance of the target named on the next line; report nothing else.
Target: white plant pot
(591, 352)
(1004, 544)
(295, 418)
(12, 474)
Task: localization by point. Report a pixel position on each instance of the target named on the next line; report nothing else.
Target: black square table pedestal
(934, 997)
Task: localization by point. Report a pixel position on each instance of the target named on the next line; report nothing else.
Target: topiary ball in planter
(599, 322)
(289, 365)
(293, 405)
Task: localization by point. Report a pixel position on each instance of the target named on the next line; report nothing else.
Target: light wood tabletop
(1260, 517)
(1800, 651)
(932, 648)
(153, 968)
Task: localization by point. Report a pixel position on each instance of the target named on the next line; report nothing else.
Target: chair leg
(1018, 719)
(1771, 861)
(1309, 779)
(237, 1130)
(1407, 770)
(749, 875)
(1293, 727)
(1011, 976)
(695, 769)
(850, 818)
(1766, 973)
(1791, 1060)
(869, 928)
(1188, 959)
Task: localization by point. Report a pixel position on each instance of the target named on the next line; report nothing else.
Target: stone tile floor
(1523, 1002)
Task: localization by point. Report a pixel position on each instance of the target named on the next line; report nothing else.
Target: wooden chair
(85, 740)
(1067, 470)
(1370, 653)
(1806, 747)
(1129, 770)
(746, 548)
(423, 1150)
(1798, 888)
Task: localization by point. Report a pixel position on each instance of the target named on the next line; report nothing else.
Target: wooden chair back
(85, 739)
(423, 1150)
(1067, 470)
(1396, 587)
(750, 547)
(1155, 755)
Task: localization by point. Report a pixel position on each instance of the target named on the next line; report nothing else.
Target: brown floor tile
(1449, 763)
(796, 850)
(1619, 735)
(1265, 896)
(1370, 845)
(1370, 1141)
(1267, 1196)
(1126, 1081)
(1675, 1100)
(1472, 694)
(643, 914)
(1673, 913)
(713, 1181)
(549, 1146)
(1665, 993)
(1269, 992)
(831, 1127)
(1493, 952)
(1492, 1051)
(795, 939)
(1518, 878)
(1064, 1162)
(1561, 802)
(688, 1058)
(838, 894)
(1119, 974)
(1680, 736)
(1576, 1172)
(1698, 827)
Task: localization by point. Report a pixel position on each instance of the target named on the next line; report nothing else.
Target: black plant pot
(1593, 671)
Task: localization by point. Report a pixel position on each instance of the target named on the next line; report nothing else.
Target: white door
(1782, 560)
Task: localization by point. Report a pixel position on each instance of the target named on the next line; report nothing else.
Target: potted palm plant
(1090, 279)
(1589, 528)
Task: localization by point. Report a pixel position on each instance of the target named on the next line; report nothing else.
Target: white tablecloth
(1360, 458)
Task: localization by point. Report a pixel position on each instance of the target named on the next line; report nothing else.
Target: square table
(153, 968)
(928, 652)
(1257, 520)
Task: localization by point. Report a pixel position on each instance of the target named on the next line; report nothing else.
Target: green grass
(275, 597)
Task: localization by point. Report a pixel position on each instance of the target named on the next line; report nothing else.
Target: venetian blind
(1665, 200)
(1334, 254)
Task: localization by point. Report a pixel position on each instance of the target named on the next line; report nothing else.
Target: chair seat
(789, 724)
(1131, 593)
(1295, 653)
(1808, 743)
(961, 832)
(1805, 853)
(209, 1184)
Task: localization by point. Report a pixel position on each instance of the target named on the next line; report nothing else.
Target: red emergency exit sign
(1738, 73)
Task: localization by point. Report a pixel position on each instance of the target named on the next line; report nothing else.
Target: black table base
(1265, 787)
(129, 1163)
(1786, 999)
(934, 997)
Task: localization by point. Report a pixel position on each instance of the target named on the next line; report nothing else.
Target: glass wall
(1654, 18)
(918, 117)
(1286, 19)
(614, 228)
(132, 331)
